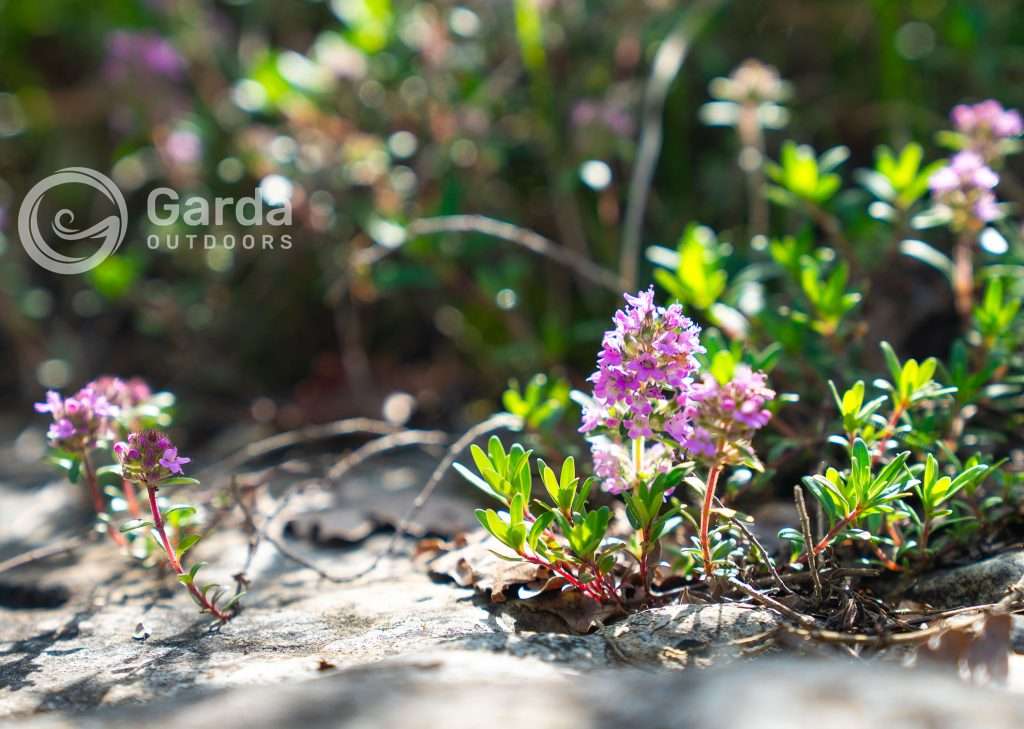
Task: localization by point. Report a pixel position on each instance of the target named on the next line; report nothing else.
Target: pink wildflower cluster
(965, 186)
(79, 421)
(126, 394)
(729, 413)
(644, 377)
(642, 389)
(985, 125)
(148, 457)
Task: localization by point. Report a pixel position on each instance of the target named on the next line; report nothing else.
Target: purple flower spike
(79, 422)
(987, 118)
(729, 414)
(643, 384)
(985, 126)
(149, 457)
(965, 188)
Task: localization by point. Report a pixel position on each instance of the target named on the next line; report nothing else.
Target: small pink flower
(172, 462)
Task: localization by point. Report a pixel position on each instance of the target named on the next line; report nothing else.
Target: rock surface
(980, 583)
(83, 654)
(457, 689)
(396, 647)
(74, 643)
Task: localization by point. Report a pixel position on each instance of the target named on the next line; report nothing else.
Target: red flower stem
(172, 558)
(705, 519)
(98, 502)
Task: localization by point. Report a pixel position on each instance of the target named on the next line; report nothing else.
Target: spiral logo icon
(110, 231)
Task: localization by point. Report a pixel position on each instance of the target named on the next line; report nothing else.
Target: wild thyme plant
(112, 420)
(82, 424)
(647, 413)
(877, 509)
(151, 461)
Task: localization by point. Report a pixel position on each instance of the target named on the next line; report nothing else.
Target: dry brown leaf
(477, 565)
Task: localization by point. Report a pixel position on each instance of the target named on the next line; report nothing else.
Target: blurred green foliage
(368, 114)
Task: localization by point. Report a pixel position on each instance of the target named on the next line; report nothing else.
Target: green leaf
(547, 477)
(493, 523)
(581, 495)
(133, 524)
(190, 576)
(537, 530)
(233, 601)
(853, 398)
(187, 542)
(182, 511)
(517, 510)
(568, 475)
(892, 361)
(499, 458)
(178, 481)
(477, 481)
(723, 365)
(925, 253)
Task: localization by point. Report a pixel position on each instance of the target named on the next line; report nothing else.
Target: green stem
(638, 457)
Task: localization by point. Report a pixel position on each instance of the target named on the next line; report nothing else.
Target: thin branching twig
(289, 439)
(500, 421)
(45, 552)
(523, 237)
(772, 603)
(380, 445)
(261, 533)
(805, 526)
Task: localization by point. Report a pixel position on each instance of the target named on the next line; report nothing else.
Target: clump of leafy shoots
(565, 535)
(935, 492)
(150, 460)
(850, 499)
(912, 386)
(646, 412)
